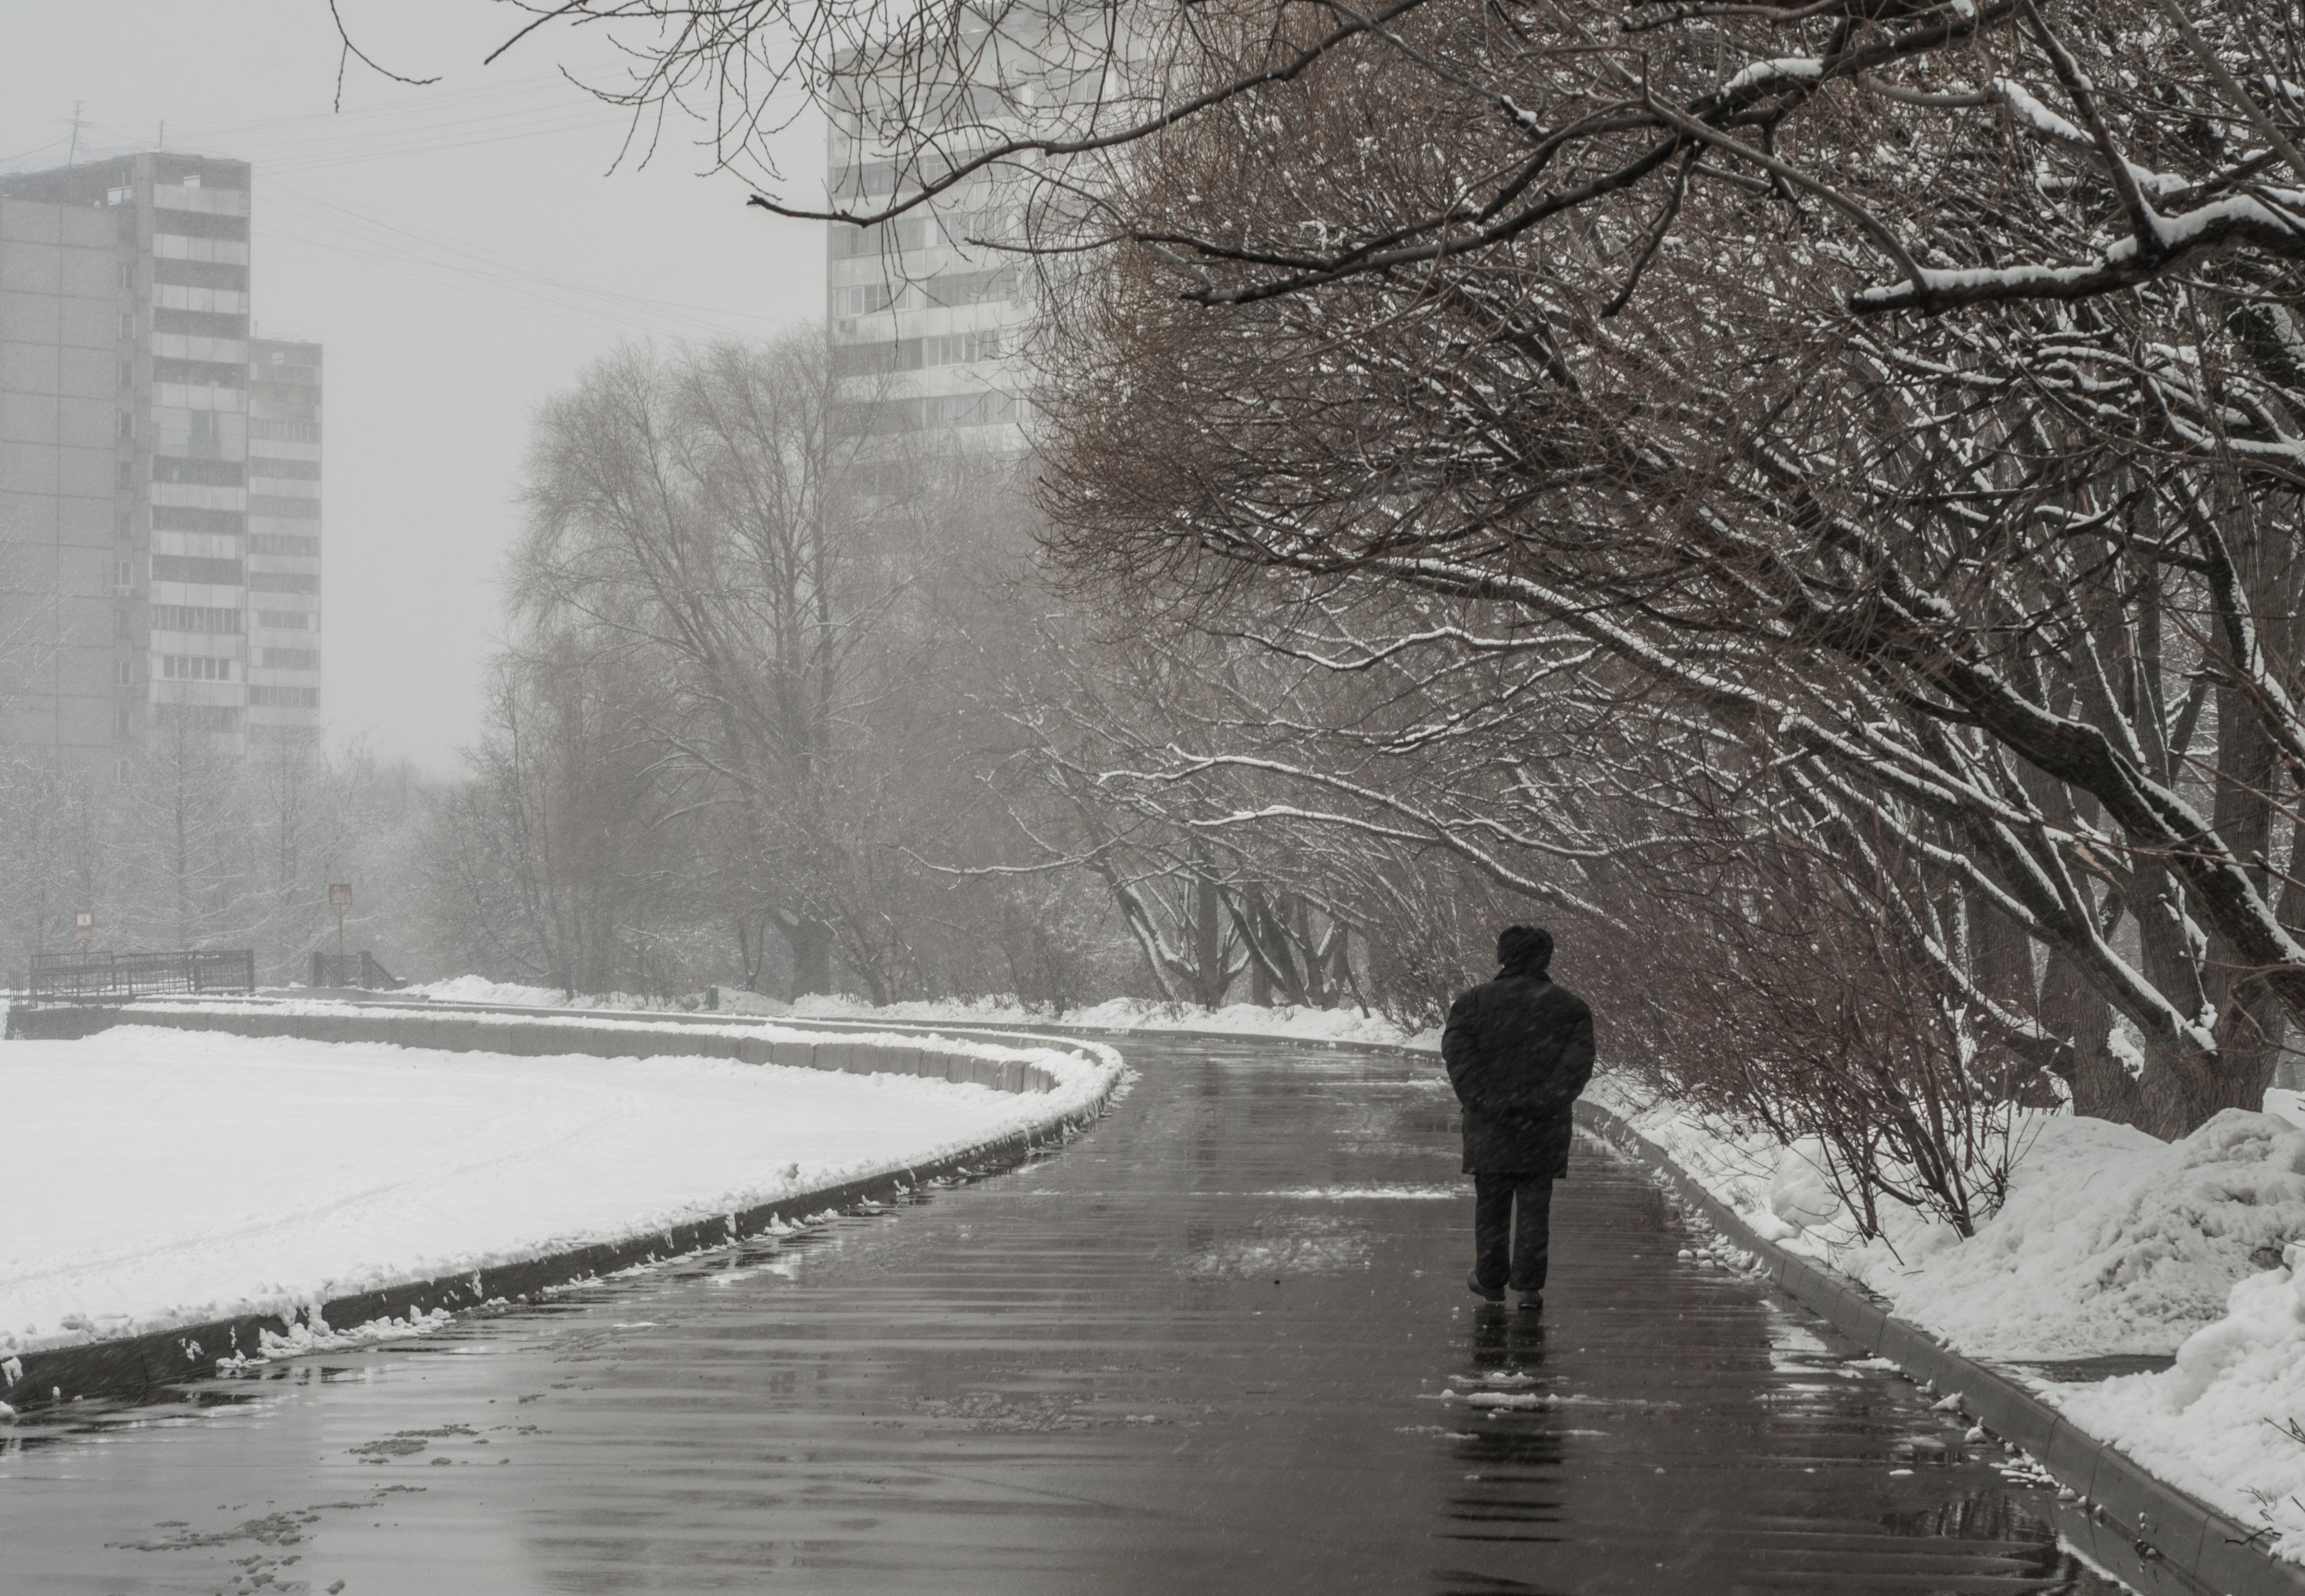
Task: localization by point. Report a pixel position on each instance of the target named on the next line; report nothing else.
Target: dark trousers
(1504, 1253)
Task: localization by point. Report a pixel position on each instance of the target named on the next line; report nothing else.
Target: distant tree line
(203, 847)
(798, 709)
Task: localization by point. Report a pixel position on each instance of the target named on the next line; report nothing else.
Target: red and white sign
(84, 925)
(340, 894)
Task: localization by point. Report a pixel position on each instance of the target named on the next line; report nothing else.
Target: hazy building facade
(159, 471)
(927, 327)
(284, 538)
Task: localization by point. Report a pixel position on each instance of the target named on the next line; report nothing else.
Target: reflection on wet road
(1220, 1343)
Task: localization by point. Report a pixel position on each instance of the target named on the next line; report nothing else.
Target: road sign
(340, 894)
(84, 926)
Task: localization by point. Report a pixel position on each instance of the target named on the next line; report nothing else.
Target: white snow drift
(2111, 1240)
(157, 1178)
(1115, 1014)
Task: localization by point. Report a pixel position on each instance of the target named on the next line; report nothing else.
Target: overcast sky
(461, 248)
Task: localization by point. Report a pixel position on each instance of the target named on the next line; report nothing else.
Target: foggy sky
(459, 249)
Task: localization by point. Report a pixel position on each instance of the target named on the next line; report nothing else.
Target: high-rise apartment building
(927, 326)
(159, 470)
(283, 537)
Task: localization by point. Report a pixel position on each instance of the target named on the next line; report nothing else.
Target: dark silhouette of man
(1519, 1050)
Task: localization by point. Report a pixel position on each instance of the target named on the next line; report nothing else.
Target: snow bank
(2111, 1241)
(1135, 1014)
(181, 1177)
(479, 989)
(1116, 1014)
(2224, 1423)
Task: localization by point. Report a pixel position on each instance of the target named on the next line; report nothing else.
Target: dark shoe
(1487, 1293)
(1531, 1301)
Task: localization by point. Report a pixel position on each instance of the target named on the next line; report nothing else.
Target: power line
(387, 243)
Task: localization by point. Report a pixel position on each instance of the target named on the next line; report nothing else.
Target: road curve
(1220, 1343)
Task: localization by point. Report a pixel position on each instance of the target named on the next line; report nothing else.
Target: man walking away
(1519, 1050)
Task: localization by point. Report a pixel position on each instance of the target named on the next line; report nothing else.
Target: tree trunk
(1208, 943)
(812, 957)
(2072, 1012)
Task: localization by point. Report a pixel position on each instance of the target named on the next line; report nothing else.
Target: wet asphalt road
(1206, 1348)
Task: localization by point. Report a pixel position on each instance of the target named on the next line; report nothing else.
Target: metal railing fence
(354, 969)
(82, 977)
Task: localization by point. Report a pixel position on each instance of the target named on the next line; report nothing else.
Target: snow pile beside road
(479, 989)
(1116, 1014)
(2111, 1241)
(1135, 1014)
(2224, 1423)
(161, 1178)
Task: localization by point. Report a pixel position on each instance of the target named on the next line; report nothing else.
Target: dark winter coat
(1520, 1049)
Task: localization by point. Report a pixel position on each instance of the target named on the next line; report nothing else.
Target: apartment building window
(210, 618)
(284, 505)
(127, 324)
(285, 620)
(199, 373)
(912, 354)
(127, 427)
(282, 582)
(291, 659)
(307, 471)
(182, 517)
(190, 568)
(863, 301)
(284, 697)
(205, 473)
(127, 373)
(972, 287)
(120, 772)
(280, 542)
(199, 324)
(124, 721)
(124, 572)
(128, 274)
(124, 674)
(119, 195)
(918, 414)
(195, 668)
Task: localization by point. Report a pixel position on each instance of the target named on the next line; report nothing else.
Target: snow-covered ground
(1117, 1014)
(158, 1178)
(1135, 1014)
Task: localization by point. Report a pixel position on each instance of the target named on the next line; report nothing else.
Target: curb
(137, 1368)
(2141, 1529)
